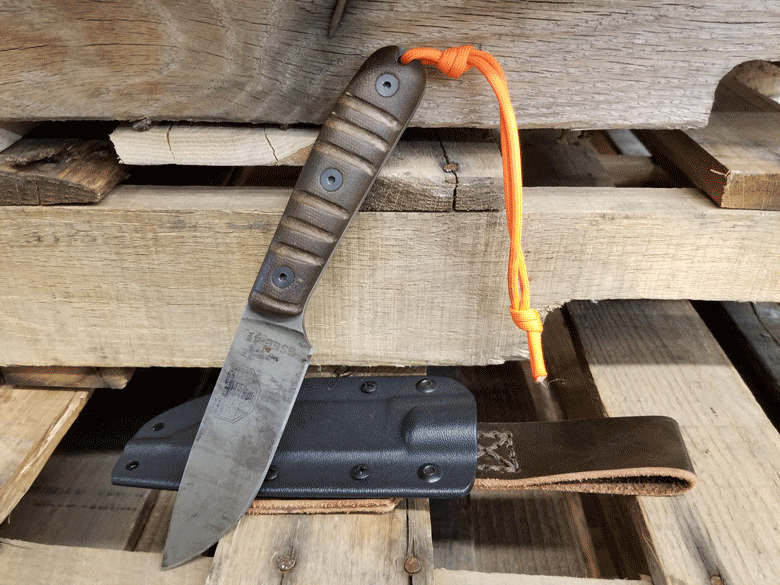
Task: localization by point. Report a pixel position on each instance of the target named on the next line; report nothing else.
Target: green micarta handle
(354, 143)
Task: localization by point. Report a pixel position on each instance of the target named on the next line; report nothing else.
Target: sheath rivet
(426, 385)
(368, 387)
(412, 565)
(285, 563)
(360, 471)
(273, 473)
(132, 465)
(158, 426)
(429, 473)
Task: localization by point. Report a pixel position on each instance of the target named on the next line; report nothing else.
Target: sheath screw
(412, 565)
(273, 473)
(429, 473)
(426, 385)
(368, 387)
(360, 472)
(285, 563)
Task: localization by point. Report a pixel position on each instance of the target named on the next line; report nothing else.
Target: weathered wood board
(735, 159)
(160, 276)
(72, 503)
(32, 422)
(341, 549)
(447, 577)
(41, 171)
(66, 377)
(202, 144)
(40, 564)
(658, 358)
(570, 64)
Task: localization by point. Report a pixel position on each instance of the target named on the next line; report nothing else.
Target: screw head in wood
(285, 563)
(412, 565)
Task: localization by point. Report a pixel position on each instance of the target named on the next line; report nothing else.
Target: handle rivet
(283, 276)
(426, 385)
(368, 387)
(429, 473)
(387, 85)
(331, 179)
(360, 472)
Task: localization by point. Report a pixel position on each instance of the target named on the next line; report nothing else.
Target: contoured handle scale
(354, 143)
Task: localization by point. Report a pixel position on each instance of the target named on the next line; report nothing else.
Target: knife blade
(264, 368)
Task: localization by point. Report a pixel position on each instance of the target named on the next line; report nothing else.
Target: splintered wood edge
(51, 432)
(364, 506)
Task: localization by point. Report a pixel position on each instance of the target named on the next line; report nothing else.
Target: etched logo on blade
(236, 398)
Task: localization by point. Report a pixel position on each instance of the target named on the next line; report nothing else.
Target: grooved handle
(354, 143)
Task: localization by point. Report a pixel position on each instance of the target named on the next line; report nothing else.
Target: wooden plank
(659, 358)
(735, 159)
(32, 422)
(39, 564)
(11, 132)
(40, 171)
(72, 503)
(750, 335)
(575, 64)
(66, 376)
(164, 279)
(328, 549)
(761, 76)
(447, 577)
(477, 174)
(734, 95)
(211, 145)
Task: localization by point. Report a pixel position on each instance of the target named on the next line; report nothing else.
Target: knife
(411, 437)
(263, 371)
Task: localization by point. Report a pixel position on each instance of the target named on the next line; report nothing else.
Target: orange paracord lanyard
(454, 62)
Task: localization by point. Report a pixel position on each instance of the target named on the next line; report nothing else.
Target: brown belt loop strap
(636, 455)
(639, 455)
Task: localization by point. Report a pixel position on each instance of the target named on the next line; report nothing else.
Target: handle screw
(368, 387)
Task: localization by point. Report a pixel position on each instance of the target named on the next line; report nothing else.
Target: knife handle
(352, 146)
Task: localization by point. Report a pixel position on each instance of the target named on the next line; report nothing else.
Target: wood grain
(40, 171)
(40, 564)
(570, 64)
(211, 145)
(32, 422)
(164, 278)
(447, 577)
(735, 159)
(329, 549)
(66, 376)
(72, 503)
(659, 358)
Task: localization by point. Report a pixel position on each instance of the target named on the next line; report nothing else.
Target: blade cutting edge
(246, 415)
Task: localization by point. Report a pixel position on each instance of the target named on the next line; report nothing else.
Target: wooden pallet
(572, 64)
(614, 358)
